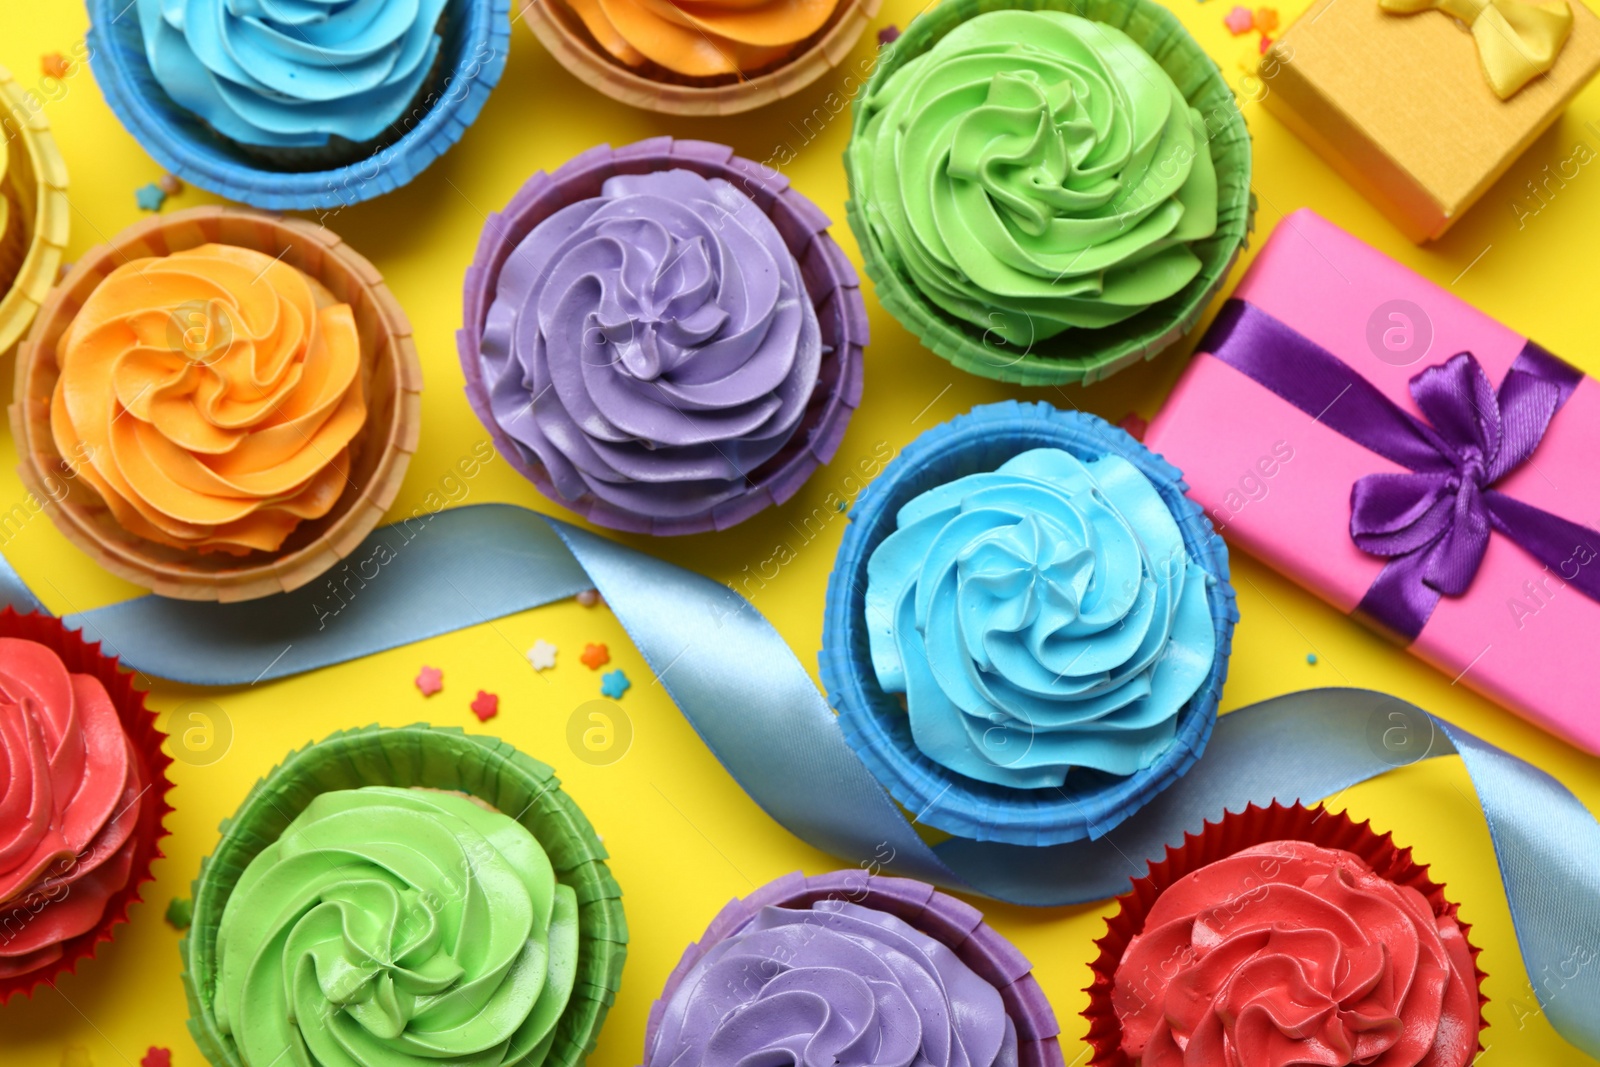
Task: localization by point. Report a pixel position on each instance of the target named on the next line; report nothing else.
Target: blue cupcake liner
(1091, 803)
(477, 38)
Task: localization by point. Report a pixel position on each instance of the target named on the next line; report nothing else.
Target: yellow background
(683, 838)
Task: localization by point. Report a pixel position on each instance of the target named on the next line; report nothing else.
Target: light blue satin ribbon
(753, 704)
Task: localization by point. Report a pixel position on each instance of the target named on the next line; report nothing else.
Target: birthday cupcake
(1046, 191)
(854, 970)
(404, 896)
(1285, 935)
(219, 404)
(699, 57)
(663, 337)
(81, 802)
(34, 214)
(1027, 626)
(294, 105)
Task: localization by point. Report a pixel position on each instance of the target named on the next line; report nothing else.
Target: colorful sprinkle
(55, 65)
(1266, 43)
(542, 656)
(430, 680)
(1239, 21)
(170, 184)
(589, 598)
(1266, 19)
(614, 683)
(150, 197)
(889, 34)
(157, 1057)
(485, 706)
(1135, 425)
(1311, 658)
(180, 913)
(595, 656)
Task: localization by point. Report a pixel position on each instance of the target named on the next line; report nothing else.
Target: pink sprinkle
(486, 706)
(1240, 20)
(157, 1057)
(1266, 43)
(889, 34)
(430, 680)
(1135, 426)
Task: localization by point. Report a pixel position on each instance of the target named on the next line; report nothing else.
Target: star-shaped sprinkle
(170, 184)
(595, 656)
(54, 65)
(485, 706)
(1266, 43)
(430, 680)
(589, 598)
(889, 34)
(542, 656)
(614, 683)
(157, 1057)
(150, 197)
(1239, 21)
(180, 913)
(1266, 19)
(1135, 425)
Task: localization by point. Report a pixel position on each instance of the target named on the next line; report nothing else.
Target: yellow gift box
(1400, 106)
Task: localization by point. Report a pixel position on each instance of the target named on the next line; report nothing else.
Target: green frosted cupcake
(374, 904)
(1048, 190)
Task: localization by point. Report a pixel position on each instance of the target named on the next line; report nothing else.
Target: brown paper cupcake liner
(561, 32)
(379, 454)
(1233, 833)
(36, 184)
(139, 723)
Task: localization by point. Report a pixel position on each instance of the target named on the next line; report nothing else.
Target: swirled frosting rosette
(81, 800)
(287, 104)
(1027, 627)
(663, 338)
(855, 970)
(374, 903)
(1036, 196)
(1285, 935)
(218, 404)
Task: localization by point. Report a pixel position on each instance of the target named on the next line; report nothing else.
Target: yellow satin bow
(1517, 41)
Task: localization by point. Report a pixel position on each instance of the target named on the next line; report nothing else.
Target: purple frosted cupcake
(663, 337)
(855, 970)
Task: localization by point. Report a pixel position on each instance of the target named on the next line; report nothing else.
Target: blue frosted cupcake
(1028, 626)
(288, 105)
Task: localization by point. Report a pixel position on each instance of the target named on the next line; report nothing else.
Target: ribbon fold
(1517, 41)
(750, 700)
(1431, 524)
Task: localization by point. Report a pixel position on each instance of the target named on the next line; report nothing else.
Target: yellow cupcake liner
(36, 179)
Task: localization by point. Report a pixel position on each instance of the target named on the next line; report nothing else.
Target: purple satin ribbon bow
(1432, 523)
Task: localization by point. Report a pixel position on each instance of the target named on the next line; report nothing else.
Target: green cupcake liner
(436, 758)
(1078, 355)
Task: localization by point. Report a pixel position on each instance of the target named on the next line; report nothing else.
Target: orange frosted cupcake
(220, 405)
(699, 57)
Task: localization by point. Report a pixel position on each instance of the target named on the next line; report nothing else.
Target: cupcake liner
(477, 38)
(954, 923)
(565, 37)
(1232, 833)
(37, 184)
(437, 758)
(139, 723)
(380, 453)
(831, 282)
(875, 724)
(1079, 355)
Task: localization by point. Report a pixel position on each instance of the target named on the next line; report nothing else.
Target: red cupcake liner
(954, 923)
(1233, 833)
(139, 723)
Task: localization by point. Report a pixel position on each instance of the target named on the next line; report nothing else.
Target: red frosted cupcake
(1286, 935)
(81, 800)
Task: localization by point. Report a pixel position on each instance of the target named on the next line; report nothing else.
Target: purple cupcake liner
(954, 923)
(830, 280)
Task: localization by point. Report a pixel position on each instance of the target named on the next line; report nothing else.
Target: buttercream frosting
(652, 346)
(1290, 953)
(1040, 617)
(292, 73)
(1034, 172)
(703, 38)
(210, 396)
(835, 985)
(396, 928)
(70, 797)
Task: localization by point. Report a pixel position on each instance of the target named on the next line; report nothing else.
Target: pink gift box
(1277, 481)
